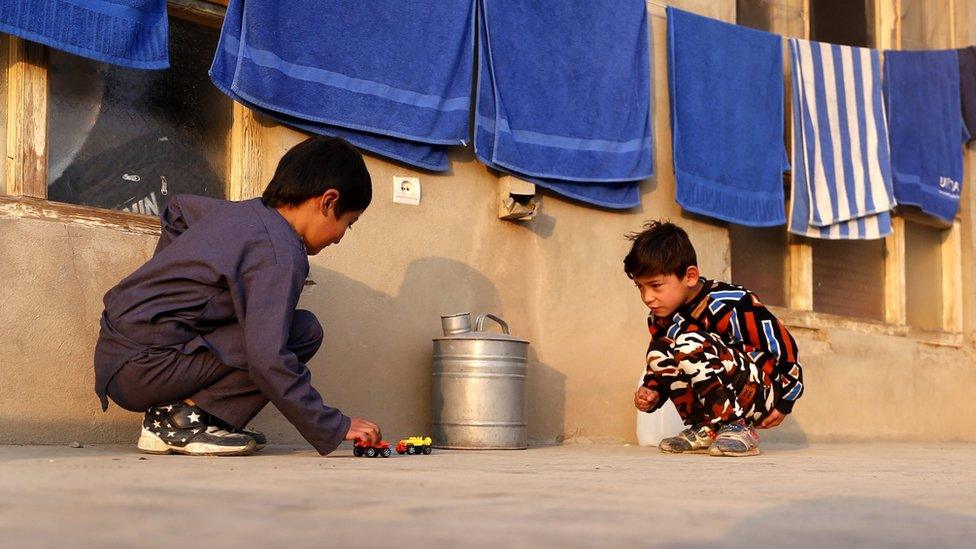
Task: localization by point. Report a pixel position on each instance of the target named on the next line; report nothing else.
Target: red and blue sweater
(738, 317)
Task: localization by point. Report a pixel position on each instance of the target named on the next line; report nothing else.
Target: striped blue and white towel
(841, 162)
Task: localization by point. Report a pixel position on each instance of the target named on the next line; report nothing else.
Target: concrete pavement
(825, 496)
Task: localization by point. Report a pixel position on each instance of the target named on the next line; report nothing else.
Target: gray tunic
(219, 263)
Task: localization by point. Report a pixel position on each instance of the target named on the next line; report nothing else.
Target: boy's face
(324, 228)
(665, 293)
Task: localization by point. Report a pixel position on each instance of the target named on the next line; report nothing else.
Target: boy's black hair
(316, 165)
(661, 248)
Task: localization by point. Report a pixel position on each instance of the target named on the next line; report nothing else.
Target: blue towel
(392, 77)
(926, 128)
(564, 96)
(841, 163)
(726, 86)
(130, 33)
(967, 88)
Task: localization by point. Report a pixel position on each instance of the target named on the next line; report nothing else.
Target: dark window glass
(130, 139)
(848, 277)
(847, 22)
(755, 14)
(760, 262)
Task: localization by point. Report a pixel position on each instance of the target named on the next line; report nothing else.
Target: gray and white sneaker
(693, 440)
(183, 429)
(736, 439)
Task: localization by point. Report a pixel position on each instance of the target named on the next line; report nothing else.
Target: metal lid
(480, 334)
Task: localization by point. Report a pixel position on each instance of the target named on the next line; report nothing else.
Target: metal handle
(480, 323)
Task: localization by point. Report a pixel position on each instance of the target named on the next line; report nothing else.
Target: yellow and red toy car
(362, 448)
(414, 445)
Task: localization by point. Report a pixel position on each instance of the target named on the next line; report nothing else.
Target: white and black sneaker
(259, 439)
(180, 428)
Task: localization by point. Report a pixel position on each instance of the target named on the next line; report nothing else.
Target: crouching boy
(206, 333)
(716, 352)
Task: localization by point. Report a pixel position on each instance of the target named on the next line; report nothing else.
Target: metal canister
(479, 387)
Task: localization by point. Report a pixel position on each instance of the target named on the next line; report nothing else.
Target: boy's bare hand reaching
(773, 419)
(645, 399)
(364, 430)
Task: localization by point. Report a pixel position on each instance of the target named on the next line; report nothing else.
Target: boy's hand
(645, 399)
(364, 430)
(773, 419)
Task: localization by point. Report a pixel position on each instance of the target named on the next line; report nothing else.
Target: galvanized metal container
(479, 386)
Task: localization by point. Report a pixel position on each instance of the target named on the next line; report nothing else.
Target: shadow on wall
(377, 358)
(545, 397)
(790, 431)
(848, 522)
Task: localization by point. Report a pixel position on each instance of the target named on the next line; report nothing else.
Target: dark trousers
(161, 375)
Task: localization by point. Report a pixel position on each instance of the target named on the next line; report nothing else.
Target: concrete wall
(557, 279)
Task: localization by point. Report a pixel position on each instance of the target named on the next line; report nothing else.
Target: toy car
(362, 448)
(414, 445)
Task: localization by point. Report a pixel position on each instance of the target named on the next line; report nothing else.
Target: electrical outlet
(406, 190)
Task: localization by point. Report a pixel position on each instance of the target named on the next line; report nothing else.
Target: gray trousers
(161, 375)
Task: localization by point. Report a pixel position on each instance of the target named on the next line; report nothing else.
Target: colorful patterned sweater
(740, 319)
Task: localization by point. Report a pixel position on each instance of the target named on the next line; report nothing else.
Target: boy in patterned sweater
(716, 352)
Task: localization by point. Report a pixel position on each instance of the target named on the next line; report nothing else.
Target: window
(760, 255)
(847, 22)
(848, 277)
(128, 139)
(908, 278)
(760, 262)
(925, 25)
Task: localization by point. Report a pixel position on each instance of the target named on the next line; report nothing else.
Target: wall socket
(406, 190)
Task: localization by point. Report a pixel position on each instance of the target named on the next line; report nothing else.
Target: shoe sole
(150, 443)
(717, 452)
(698, 451)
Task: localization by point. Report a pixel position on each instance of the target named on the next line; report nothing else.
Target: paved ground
(825, 496)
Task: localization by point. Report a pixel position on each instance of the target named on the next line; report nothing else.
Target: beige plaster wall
(556, 279)
(53, 278)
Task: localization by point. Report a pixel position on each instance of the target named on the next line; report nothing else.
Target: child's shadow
(376, 361)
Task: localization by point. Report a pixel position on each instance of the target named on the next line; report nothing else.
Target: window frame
(23, 178)
(799, 286)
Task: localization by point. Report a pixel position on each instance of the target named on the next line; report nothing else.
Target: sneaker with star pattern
(177, 427)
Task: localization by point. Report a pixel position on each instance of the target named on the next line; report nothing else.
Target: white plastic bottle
(663, 423)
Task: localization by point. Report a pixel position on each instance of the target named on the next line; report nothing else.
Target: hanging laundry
(967, 88)
(726, 84)
(391, 77)
(130, 33)
(564, 96)
(926, 129)
(841, 163)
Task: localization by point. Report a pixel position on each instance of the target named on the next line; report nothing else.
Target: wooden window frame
(951, 248)
(800, 284)
(23, 178)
